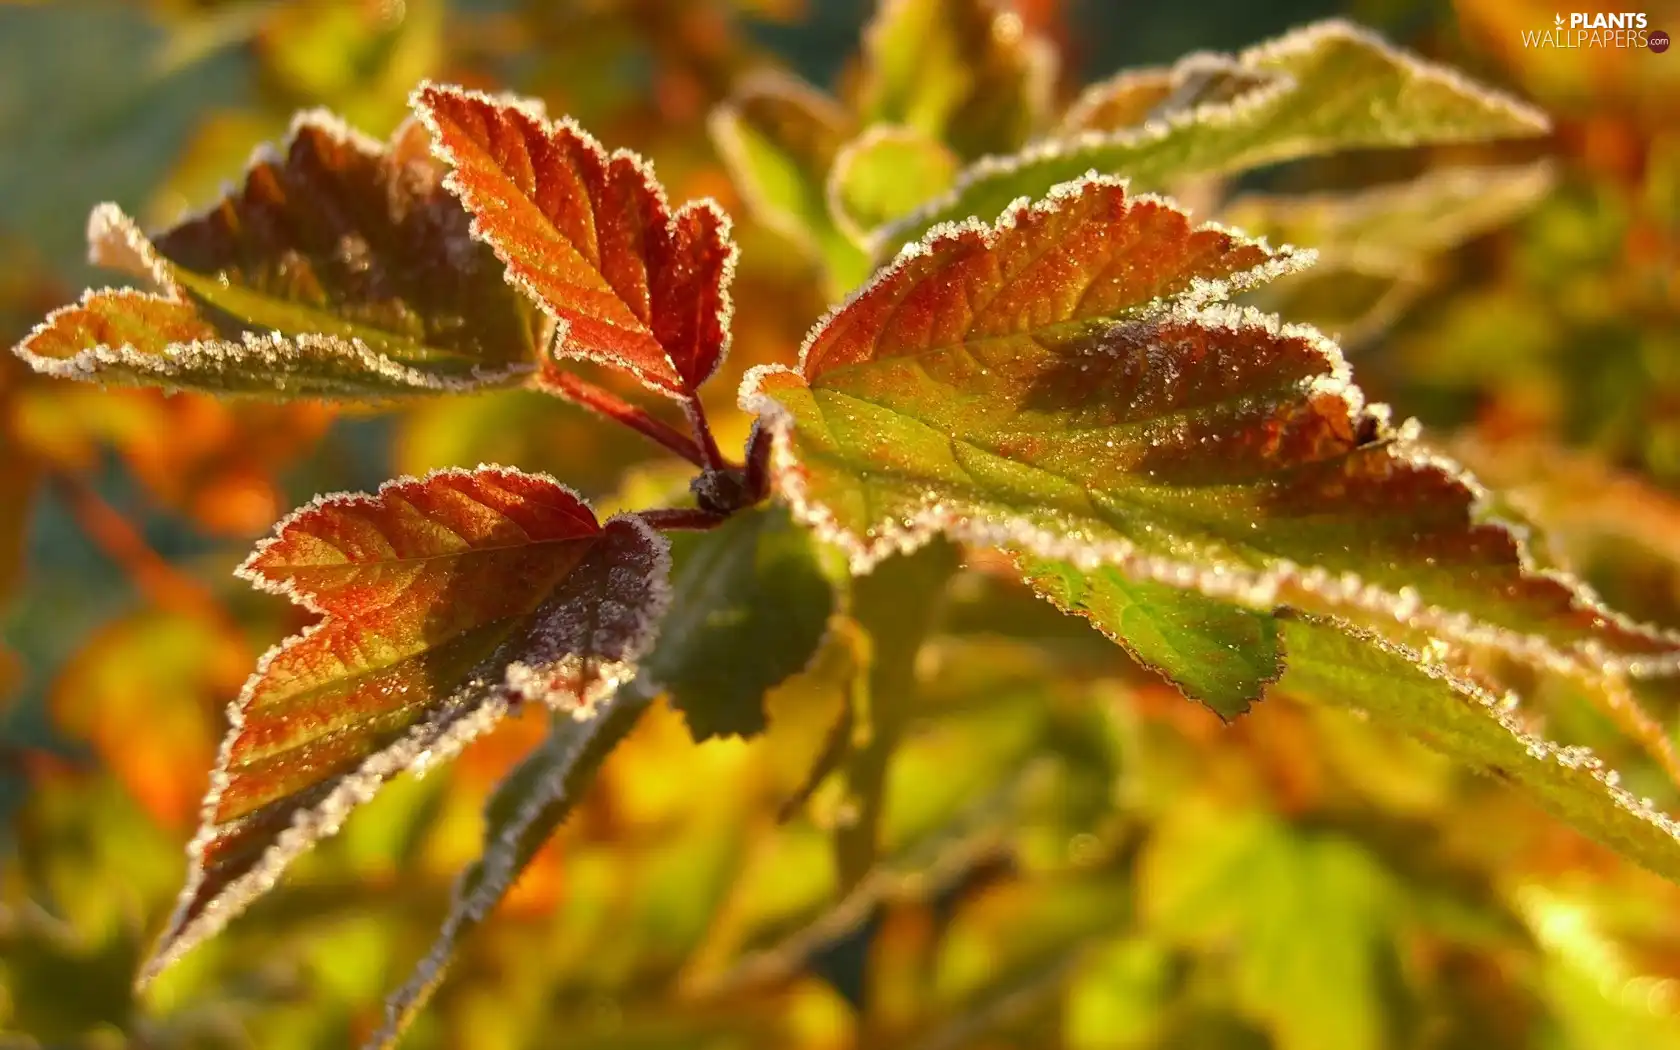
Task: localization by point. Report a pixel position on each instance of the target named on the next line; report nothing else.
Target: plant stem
(758, 462)
(605, 403)
(711, 457)
(682, 518)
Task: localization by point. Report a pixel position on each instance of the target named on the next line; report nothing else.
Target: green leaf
(1219, 654)
(751, 601)
(1328, 87)
(1138, 96)
(1306, 915)
(778, 138)
(527, 808)
(341, 268)
(1058, 384)
(961, 71)
(1339, 666)
(445, 600)
(1376, 247)
(884, 174)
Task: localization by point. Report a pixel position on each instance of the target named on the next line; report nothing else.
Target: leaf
(1338, 666)
(752, 601)
(960, 71)
(1087, 404)
(590, 237)
(340, 268)
(1393, 228)
(882, 175)
(1328, 87)
(779, 137)
(525, 811)
(446, 601)
(1138, 96)
(1221, 655)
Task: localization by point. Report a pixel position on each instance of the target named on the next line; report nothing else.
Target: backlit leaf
(340, 268)
(779, 138)
(1137, 96)
(527, 808)
(885, 174)
(751, 604)
(1328, 87)
(1219, 654)
(446, 600)
(590, 237)
(962, 71)
(1088, 404)
(1339, 666)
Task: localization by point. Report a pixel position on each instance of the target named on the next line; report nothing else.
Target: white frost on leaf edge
(1501, 710)
(1262, 590)
(1076, 119)
(473, 709)
(498, 867)
(1228, 113)
(250, 569)
(1280, 261)
(174, 369)
(534, 113)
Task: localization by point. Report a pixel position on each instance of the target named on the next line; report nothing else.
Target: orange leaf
(591, 237)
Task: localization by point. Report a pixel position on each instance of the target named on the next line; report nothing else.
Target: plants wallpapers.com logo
(1598, 29)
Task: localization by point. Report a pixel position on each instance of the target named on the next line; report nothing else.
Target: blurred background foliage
(1072, 854)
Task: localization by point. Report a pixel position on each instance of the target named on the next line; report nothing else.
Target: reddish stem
(611, 406)
(161, 582)
(690, 519)
(711, 455)
(758, 462)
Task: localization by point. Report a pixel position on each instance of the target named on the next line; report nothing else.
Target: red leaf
(447, 599)
(590, 237)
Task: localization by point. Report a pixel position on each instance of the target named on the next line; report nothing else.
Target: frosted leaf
(590, 237)
(1095, 405)
(1327, 87)
(447, 600)
(339, 268)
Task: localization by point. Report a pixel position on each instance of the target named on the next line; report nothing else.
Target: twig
(689, 519)
(609, 405)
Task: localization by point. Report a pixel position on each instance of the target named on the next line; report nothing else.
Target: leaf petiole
(605, 403)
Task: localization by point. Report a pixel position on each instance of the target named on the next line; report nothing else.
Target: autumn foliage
(1059, 628)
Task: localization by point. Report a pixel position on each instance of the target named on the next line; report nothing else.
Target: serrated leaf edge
(89, 365)
(1502, 710)
(424, 747)
(116, 241)
(1283, 260)
(1176, 75)
(534, 111)
(499, 868)
(1260, 590)
(1219, 113)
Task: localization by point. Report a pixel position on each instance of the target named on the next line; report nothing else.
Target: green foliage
(824, 755)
